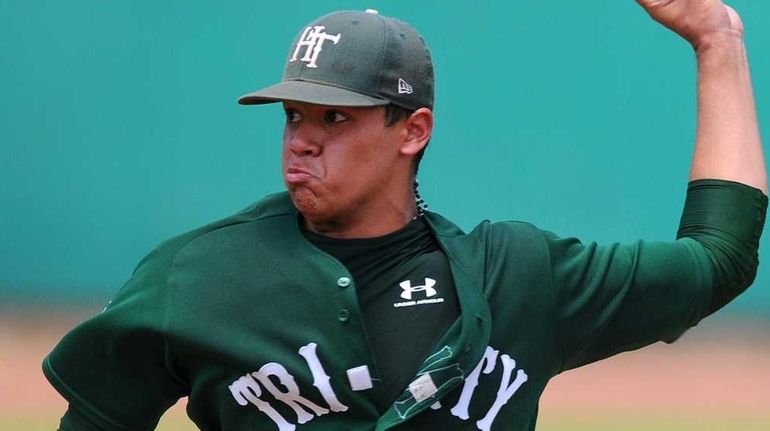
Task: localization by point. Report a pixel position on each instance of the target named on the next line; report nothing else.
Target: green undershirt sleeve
(619, 297)
(726, 218)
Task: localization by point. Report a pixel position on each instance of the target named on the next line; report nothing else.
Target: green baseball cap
(353, 58)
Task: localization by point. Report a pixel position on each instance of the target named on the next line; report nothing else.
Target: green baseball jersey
(262, 330)
(403, 280)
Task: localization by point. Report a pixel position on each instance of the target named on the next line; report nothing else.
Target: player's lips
(296, 175)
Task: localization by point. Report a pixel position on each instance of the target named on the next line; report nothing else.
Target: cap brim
(309, 92)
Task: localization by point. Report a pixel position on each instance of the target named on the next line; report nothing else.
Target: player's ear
(417, 130)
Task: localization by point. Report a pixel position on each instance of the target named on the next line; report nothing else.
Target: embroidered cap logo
(312, 40)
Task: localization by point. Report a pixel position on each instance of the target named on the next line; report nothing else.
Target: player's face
(337, 161)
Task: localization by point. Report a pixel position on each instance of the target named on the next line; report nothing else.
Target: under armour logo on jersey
(312, 40)
(404, 87)
(409, 289)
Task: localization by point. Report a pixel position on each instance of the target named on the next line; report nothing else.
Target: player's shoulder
(514, 237)
(501, 235)
(269, 207)
(511, 233)
(514, 228)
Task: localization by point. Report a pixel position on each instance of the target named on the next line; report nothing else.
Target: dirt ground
(716, 377)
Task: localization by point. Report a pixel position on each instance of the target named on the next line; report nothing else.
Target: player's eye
(332, 116)
(292, 116)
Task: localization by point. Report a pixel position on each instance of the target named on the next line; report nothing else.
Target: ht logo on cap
(313, 39)
(409, 289)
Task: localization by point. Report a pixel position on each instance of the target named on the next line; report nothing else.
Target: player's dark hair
(394, 114)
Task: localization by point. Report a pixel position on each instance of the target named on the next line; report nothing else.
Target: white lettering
(320, 378)
(291, 397)
(487, 361)
(430, 301)
(275, 379)
(302, 41)
(312, 39)
(246, 390)
(504, 393)
(420, 302)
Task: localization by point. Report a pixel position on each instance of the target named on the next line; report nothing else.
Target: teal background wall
(119, 126)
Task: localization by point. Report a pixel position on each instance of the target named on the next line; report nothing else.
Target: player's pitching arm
(725, 216)
(621, 297)
(727, 143)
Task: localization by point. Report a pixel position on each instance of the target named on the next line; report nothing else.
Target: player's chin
(307, 202)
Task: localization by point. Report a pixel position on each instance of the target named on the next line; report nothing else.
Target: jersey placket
(458, 352)
(363, 377)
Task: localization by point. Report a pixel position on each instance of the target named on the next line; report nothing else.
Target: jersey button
(343, 316)
(343, 282)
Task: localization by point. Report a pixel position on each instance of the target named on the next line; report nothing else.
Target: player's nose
(303, 140)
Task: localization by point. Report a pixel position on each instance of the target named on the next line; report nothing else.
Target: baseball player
(343, 304)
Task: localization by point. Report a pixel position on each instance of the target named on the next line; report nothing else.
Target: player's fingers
(653, 4)
(735, 20)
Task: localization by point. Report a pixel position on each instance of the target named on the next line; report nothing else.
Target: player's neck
(369, 222)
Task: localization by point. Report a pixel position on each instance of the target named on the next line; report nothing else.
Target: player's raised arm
(727, 144)
(726, 198)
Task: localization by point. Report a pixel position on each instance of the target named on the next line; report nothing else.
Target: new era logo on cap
(404, 87)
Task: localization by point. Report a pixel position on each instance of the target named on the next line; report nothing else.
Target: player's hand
(698, 21)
